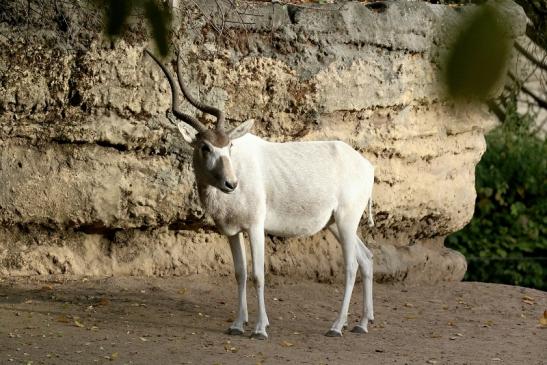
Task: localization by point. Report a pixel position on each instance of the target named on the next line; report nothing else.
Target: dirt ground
(130, 320)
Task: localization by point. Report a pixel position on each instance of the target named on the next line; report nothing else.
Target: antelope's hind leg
(240, 268)
(345, 229)
(364, 259)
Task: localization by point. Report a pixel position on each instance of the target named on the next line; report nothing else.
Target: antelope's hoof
(234, 331)
(259, 336)
(333, 333)
(359, 329)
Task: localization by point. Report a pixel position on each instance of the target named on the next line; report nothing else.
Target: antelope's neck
(209, 197)
(220, 207)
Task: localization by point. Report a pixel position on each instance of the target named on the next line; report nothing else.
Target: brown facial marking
(216, 138)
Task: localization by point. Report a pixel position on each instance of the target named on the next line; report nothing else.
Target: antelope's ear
(188, 133)
(241, 129)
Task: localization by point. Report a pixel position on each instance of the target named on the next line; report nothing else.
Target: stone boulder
(96, 180)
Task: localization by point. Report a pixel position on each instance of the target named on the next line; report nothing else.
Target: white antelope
(289, 189)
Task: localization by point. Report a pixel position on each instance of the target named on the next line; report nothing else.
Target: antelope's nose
(230, 185)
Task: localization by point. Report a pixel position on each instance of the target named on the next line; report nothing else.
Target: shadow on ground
(130, 320)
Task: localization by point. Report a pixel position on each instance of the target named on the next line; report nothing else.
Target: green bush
(506, 241)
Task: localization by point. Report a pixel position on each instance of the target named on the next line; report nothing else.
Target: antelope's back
(305, 182)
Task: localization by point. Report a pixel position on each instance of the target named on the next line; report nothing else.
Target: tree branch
(497, 109)
(530, 57)
(541, 102)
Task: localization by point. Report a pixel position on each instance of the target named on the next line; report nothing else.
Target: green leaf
(117, 13)
(478, 58)
(159, 19)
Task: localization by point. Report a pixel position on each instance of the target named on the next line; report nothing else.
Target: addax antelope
(288, 189)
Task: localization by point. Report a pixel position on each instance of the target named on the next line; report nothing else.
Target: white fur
(286, 189)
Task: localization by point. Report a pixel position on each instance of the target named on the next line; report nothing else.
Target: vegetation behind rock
(506, 241)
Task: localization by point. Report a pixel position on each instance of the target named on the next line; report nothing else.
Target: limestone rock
(95, 179)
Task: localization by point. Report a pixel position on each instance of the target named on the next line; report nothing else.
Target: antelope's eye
(205, 149)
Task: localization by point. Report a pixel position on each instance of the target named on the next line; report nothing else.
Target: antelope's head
(212, 148)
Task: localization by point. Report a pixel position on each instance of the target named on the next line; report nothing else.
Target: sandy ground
(132, 320)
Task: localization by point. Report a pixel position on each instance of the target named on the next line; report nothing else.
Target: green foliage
(158, 15)
(506, 241)
(477, 59)
(116, 14)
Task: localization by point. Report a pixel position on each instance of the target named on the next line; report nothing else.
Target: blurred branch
(530, 57)
(536, 11)
(540, 127)
(541, 102)
(497, 109)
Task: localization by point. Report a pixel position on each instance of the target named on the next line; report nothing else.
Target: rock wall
(96, 181)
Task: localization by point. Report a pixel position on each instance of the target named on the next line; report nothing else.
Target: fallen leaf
(102, 302)
(529, 302)
(182, 291)
(229, 348)
(527, 297)
(285, 343)
(63, 319)
(143, 339)
(410, 317)
(114, 356)
(495, 359)
(47, 287)
(488, 323)
(543, 320)
(409, 305)
(78, 324)
(431, 361)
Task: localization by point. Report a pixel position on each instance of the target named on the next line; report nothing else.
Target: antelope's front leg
(240, 268)
(256, 236)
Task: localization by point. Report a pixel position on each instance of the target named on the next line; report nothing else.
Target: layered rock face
(96, 180)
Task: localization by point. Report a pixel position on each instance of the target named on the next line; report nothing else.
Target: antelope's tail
(369, 209)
